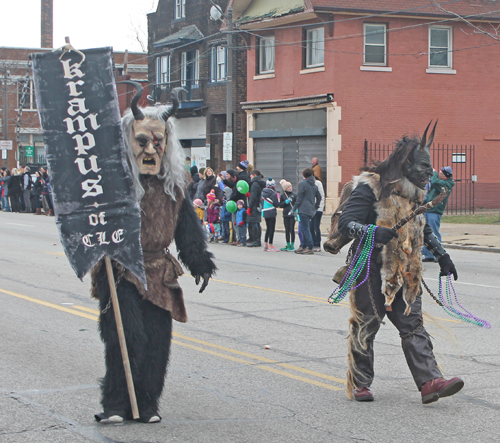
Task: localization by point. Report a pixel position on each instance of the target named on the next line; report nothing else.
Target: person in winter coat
(241, 223)
(308, 199)
(241, 169)
(213, 210)
(199, 209)
(36, 192)
(270, 201)
(5, 190)
(193, 184)
(226, 217)
(210, 184)
(15, 190)
(254, 215)
(287, 202)
(316, 220)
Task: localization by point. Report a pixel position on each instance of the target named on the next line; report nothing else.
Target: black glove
(447, 266)
(384, 235)
(205, 277)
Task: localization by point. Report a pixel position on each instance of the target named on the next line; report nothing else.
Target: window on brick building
(265, 51)
(163, 71)
(315, 47)
(190, 69)
(440, 47)
(29, 95)
(217, 64)
(375, 44)
(180, 9)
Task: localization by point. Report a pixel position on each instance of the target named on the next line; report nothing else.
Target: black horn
(138, 115)
(423, 142)
(175, 103)
(431, 137)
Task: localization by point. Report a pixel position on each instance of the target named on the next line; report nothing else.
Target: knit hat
(285, 185)
(243, 164)
(193, 170)
(240, 202)
(270, 183)
(197, 202)
(232, 172)
(447, 171)
(211, 195)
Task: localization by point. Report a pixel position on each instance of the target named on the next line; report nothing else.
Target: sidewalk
(475, 237)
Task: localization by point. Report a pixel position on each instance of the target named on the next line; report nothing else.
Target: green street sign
(29, 151)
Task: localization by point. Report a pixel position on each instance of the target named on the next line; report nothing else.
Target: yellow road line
(76, 311)
(60, 254)
(49, 305)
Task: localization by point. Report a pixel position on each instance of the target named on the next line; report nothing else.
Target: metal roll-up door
(269, 157)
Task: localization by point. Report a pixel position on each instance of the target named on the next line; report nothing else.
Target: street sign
(6, 144)
(29, 151)
(227, 146)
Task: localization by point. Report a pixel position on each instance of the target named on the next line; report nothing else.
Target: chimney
(47, 23)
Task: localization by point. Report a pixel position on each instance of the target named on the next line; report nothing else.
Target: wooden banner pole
(121, 337)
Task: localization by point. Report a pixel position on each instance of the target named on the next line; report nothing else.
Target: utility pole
(229, 78)
(5, 113)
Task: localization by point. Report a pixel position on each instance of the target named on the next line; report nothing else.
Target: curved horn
(423, 140)
(175, 103)
(431, 137)
(138, 115)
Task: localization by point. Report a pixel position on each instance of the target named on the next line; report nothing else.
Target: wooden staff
(121, 337)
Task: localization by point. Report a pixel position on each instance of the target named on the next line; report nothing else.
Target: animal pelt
(148, 330)
(401, 257)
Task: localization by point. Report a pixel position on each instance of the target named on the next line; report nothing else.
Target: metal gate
(287, 157)
(460, 157)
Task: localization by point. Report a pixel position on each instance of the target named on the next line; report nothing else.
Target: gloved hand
(205, 277)
(247, 194)
(384, 235)
(249, 211)
(447, 266)
(241, 223)
(287, 201)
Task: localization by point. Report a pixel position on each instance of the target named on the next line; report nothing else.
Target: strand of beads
(448, 305)
(361, 259)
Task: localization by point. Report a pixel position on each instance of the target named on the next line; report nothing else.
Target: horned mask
(149, 137)
(418, 167)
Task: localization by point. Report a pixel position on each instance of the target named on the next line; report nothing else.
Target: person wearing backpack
(270, 201)
(287, 201)
(27, 186)
(254, 207)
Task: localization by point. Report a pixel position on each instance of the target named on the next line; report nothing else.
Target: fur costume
(156, 161)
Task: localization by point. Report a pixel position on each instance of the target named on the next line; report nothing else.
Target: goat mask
(418, 167)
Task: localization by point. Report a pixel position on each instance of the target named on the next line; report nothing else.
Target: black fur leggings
(270, 228)
(289, 223)
(148, 331)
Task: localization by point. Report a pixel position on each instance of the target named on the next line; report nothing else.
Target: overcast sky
(88, 23)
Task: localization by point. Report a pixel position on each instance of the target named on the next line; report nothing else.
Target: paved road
(223, 385)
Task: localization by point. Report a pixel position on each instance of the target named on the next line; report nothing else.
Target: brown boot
(51, 212)
(438, 388)
(38, 211)
(363, 394)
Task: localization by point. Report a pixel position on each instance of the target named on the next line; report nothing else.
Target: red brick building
(25, 130)
(326, 75)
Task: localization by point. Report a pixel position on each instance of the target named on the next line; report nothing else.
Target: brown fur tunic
(159, 214)
(401, 258)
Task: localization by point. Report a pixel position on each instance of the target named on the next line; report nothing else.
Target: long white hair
(172, 169)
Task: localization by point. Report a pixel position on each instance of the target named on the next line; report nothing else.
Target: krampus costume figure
(384, 196)
(157, 164)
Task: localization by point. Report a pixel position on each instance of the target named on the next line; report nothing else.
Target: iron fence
(460, 157)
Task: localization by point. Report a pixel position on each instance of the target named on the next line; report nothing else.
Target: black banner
(95, 205)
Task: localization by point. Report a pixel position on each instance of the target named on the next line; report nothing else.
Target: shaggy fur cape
(401, 258)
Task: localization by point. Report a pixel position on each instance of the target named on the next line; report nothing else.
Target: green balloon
(242, 187)
(231, 206)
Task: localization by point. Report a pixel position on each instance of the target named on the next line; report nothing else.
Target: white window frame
(365, 43)
(218, 68)
(163, 71)
(266, 46)
(180, 9)
(449, 49)
(315, 47)
(29, 102)
(195, 81)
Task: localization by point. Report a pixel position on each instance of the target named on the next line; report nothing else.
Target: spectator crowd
(25, 191)
(232, 205)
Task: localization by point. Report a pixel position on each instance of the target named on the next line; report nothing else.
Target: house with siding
(332, 78)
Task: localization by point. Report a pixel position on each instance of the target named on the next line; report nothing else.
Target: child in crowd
(199, 209)
(287, 201)
(241, 223)
(213, 209)
(270, 201)
(226, 217)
